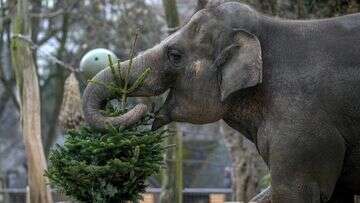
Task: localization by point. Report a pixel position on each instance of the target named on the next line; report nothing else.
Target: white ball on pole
(95, 60)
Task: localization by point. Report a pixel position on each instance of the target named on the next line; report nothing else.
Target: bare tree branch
(3, 101)
(10, 92)
(59, 81)
(47, 15)
(50, 56)
(49, 34)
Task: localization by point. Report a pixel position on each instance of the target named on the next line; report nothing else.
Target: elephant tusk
(160, 120)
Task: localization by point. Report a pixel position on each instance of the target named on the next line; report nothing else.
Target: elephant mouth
(162, 116)
(159, 121)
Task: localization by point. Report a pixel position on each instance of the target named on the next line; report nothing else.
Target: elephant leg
(341, 196)
(338, 196)
(299, 191)
(263, 197)
(305, 161)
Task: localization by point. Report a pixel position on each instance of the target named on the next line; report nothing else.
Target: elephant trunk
(96, 93)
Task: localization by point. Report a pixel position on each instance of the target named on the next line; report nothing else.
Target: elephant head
(215, 54)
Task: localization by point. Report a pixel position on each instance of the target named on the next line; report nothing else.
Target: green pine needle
(107, 166)
(139, 81)
(110, 165)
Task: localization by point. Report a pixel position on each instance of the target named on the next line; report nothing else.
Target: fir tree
(109, 165)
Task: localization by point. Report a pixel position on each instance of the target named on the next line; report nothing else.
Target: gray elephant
(291, 87)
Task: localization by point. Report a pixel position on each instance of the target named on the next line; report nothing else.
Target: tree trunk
(300, 9)
(357, 199)
(171, 14)
(2, 177)
(246, 177)
(59, 82)
(27, 82)
(172, 176)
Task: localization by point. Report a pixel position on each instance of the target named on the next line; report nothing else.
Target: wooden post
(217, 198)
(27, 82)
(148, 198)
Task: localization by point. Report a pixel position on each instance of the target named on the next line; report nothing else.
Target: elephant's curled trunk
(94, 99)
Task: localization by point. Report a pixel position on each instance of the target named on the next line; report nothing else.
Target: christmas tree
(106, 166)
(112, 164)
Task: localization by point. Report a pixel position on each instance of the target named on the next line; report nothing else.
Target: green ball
(94, 61)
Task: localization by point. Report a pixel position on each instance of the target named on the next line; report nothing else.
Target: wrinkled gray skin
(291, 87)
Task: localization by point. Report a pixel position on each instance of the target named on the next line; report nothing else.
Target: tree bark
(171, 14)
(300, 9)
(172, 176)
(27, 82)
(59, 82)
(246, 177)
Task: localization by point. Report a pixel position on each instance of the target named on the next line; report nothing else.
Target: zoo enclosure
(190, 195)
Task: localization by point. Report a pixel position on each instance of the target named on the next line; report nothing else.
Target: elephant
(292, 87)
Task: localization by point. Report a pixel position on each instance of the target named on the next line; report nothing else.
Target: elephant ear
(242, 67)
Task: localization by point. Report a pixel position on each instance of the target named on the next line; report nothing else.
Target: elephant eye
(174, 56)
